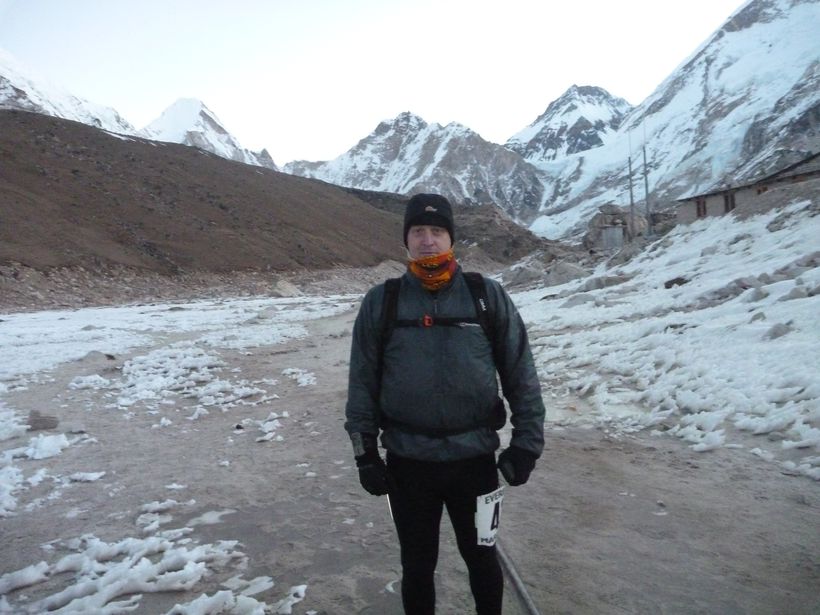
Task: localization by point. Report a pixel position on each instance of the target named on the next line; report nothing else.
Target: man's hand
(515, 465)
(372, 470)
(373, 475)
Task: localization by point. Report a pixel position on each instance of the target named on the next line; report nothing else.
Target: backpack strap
(390, 310)
(390, 305)
(478, 289)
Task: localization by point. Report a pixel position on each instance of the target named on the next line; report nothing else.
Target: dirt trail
(638, 524)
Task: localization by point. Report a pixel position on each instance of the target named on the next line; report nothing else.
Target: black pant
(418, 492)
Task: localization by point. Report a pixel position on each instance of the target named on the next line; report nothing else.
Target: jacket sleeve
(362, 409)
(516, 368)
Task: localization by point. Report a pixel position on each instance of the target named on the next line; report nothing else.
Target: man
(430, 388)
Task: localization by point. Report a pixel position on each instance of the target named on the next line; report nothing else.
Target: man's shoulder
(395, 281)
(377, 292)
(373, 295)
(491, 284)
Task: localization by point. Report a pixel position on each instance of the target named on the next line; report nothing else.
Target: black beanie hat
(431, 209)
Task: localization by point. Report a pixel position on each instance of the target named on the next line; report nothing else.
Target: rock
(798, 292)
(41, 422)
(577, 300)
(778, 330)
(563, 272)
(758, 294)
(523, 276)
(603, 282)
(554, 275)
(284, 288)
(679, 281)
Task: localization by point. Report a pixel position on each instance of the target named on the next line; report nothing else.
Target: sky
(308, 80)
(727, 359)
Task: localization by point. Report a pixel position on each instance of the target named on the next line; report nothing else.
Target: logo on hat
(430, 208)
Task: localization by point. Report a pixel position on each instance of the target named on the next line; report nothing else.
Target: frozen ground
(190, 457)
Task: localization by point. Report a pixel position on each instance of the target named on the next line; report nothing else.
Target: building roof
(809, 164)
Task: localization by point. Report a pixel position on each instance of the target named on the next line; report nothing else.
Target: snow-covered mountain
(189, 122)
(21, 89)
(746, 102)
(407, 155)
(582, 118)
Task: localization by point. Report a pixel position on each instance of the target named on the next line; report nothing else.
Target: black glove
(372, 470)
(515, 465)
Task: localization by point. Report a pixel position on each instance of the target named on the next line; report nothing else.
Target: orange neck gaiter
(434, 271)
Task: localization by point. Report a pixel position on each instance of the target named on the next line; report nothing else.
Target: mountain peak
(192, 106)
(189, 122)
(404, 122)
(406, 155)
(586, 94)
(184, 115)
(582, 118)
(585, 91)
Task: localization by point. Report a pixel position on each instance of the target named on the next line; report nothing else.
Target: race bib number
(488, 516)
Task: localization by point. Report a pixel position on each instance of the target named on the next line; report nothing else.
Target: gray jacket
(442, 377)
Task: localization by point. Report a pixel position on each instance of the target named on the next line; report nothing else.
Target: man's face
(427, 240)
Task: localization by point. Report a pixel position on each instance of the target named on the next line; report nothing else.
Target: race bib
(488, 516)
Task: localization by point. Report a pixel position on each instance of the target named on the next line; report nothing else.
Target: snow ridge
(189, 122)
(21, 89)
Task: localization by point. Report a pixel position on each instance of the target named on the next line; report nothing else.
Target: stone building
(798, 181)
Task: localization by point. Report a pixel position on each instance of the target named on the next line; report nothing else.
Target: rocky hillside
(74, 195)
(78, 199)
